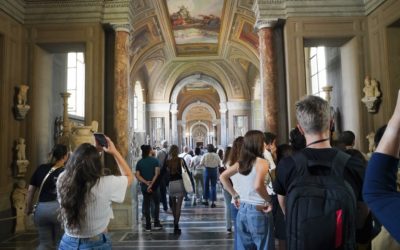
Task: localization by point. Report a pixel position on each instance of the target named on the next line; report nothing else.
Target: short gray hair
(164, 143)
(313, 114)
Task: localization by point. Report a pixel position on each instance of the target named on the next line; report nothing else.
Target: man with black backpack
(318, 187)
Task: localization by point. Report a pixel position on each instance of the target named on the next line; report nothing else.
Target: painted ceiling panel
(196, 25)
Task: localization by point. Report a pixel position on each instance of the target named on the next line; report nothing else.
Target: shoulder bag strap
(41, 185)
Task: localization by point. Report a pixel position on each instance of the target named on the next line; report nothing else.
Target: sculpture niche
(372, 94)
(21, 108)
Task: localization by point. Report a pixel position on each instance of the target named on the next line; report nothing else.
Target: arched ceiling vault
(161, 36)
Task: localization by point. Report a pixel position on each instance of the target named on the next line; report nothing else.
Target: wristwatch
(236, 197)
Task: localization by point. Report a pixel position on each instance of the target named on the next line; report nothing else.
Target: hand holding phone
(101, 139)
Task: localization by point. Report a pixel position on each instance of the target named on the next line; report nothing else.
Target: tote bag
(187, 183)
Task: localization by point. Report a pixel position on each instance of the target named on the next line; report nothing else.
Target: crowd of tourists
(312, 192)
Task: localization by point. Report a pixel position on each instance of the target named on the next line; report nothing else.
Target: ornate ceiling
(173, 39)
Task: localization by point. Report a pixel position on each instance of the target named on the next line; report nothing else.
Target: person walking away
(162, 156)
(147, 172)
(227, 195)
(176, 192)
(211, 162)
(86, 194)
(198, 176)
(254, 220)
(44, 181)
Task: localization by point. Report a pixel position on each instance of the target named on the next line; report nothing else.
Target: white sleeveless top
(244, 186)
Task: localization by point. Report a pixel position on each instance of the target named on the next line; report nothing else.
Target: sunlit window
(135, 111)
(76, 84)
(317, 63)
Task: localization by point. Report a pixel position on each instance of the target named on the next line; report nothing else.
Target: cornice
(267, 10)
(14, 8)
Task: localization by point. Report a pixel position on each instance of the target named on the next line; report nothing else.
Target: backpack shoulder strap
(339, 163)
(301, 162)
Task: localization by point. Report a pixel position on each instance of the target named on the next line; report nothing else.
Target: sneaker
(158, 226)
(205, 203)
(229, 230)
(147, 229)
(213, 205)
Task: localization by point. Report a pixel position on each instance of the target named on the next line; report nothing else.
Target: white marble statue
(22, 96)
(21, 156)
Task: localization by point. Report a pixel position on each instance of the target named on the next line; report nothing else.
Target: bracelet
(236, 197)
(267, 203)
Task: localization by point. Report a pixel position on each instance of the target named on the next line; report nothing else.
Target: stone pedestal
(121, 79)
(21, 111)
(268, 77)
(22, 166)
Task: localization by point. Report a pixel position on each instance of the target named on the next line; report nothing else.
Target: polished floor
(202, 228)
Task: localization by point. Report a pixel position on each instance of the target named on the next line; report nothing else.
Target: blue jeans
(228, 217)
(255, 228)
(210, 175)
(47, 224)
(99, 242)
(234, 212)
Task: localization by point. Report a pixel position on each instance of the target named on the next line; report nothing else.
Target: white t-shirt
(99, 211)
(187, 157)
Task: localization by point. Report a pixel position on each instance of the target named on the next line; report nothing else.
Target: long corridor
(202, 228)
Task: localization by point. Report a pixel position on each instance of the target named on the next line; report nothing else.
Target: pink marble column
(268, 76)
(121, 88)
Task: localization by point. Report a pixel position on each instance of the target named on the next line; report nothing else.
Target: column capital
(174, 109)
(126, 27)
(266, 23)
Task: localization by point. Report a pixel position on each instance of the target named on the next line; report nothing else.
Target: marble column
(223, 110)
(174, 123)
(184, 136)
(121, 81)
(268, 73)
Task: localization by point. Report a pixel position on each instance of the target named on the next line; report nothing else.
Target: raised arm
(390, 142)
(122, 164)
(379, 189)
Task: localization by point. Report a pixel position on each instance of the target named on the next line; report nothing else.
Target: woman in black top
(46, 212)
(174, 169)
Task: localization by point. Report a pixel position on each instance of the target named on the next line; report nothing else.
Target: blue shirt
(147, 167)
(380, 191)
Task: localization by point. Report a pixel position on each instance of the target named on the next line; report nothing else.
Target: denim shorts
(99, 242)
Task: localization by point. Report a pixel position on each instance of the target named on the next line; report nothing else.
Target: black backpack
(320, 206)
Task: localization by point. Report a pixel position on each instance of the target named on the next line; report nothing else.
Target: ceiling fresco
(195, 25)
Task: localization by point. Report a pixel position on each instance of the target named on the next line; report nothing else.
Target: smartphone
(101, 139)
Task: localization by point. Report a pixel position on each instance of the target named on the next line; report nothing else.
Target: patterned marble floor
(202, 228)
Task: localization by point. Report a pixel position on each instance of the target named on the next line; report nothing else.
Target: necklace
(317, 141)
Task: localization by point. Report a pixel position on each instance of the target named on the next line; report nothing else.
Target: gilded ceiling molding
(199, 104)
(199, 123)
(198, 78)
(173, 71)
(245, 52)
